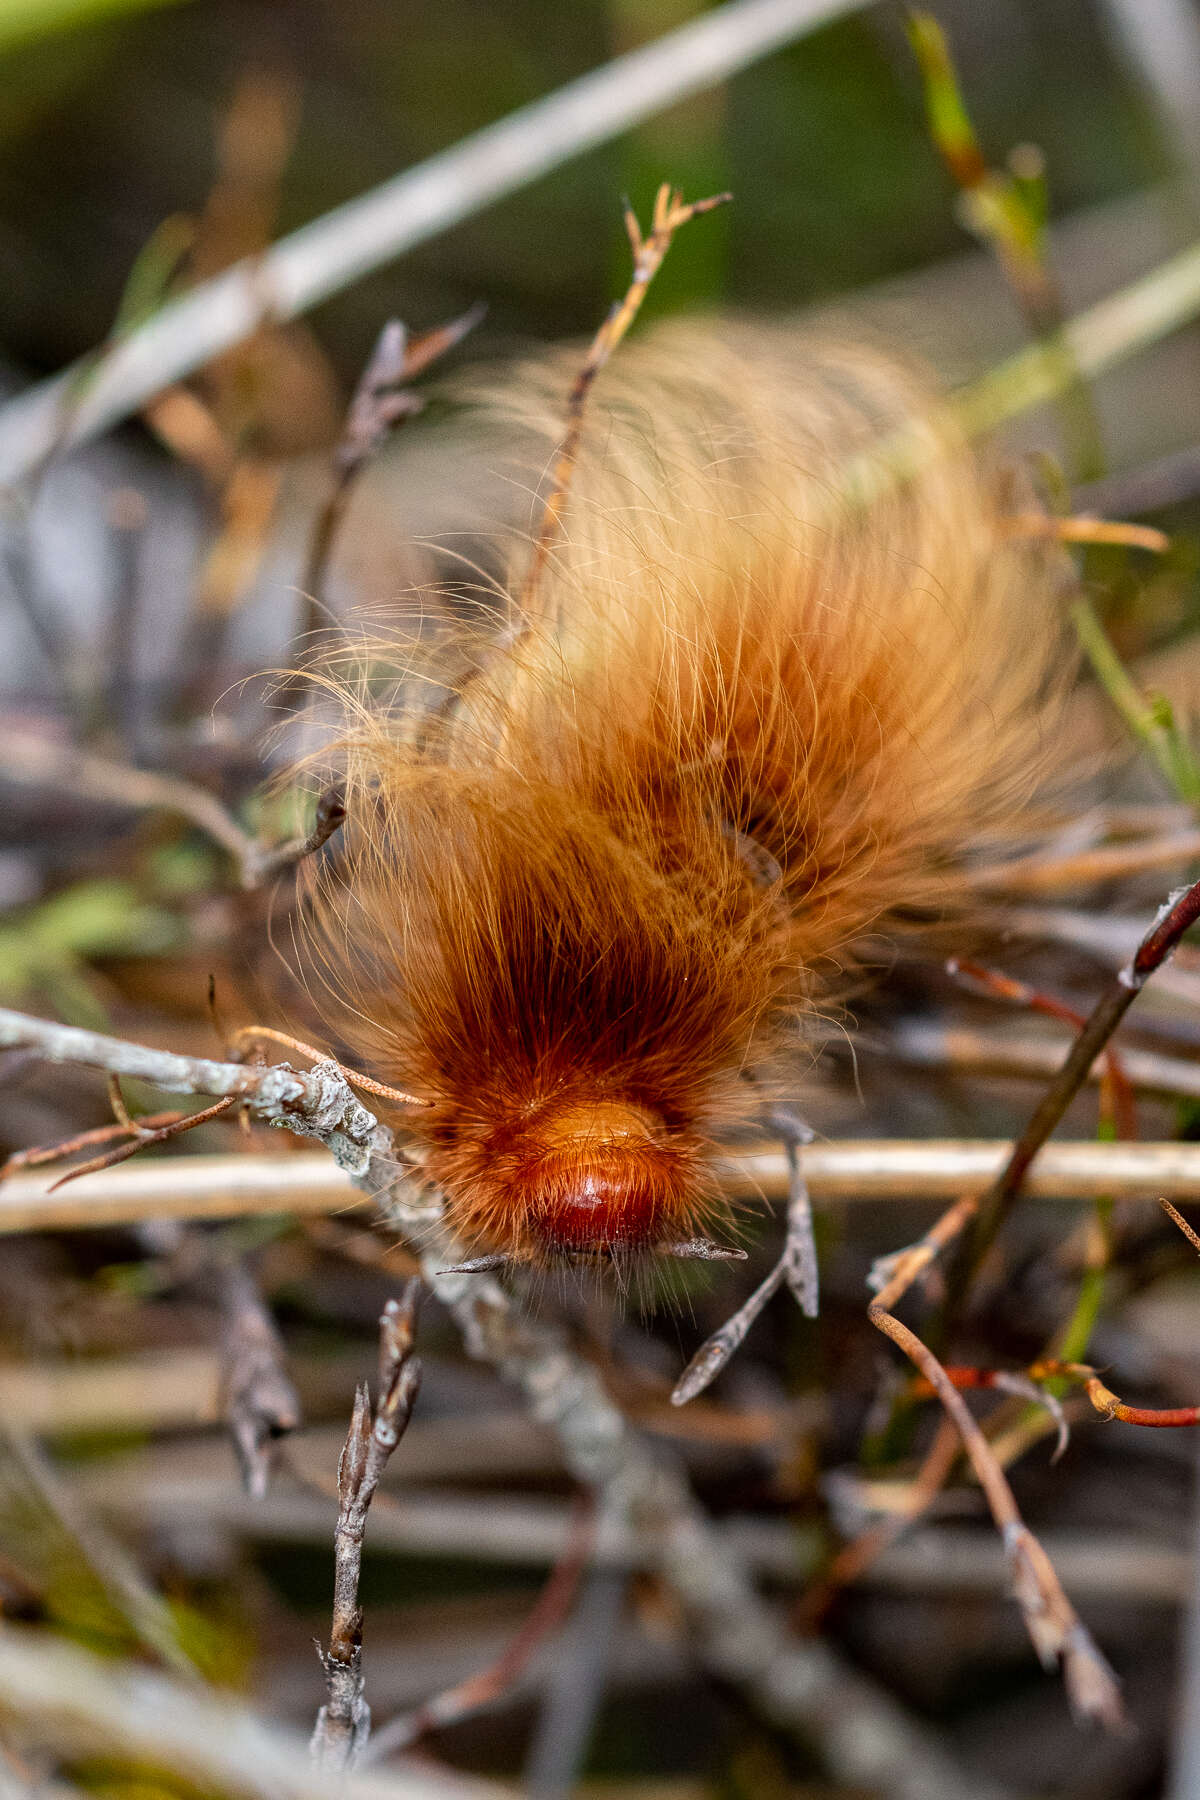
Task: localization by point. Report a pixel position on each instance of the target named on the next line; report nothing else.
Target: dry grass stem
(1088, 531)
(248, 1185)
(1108, 862)
(85, 1706)
(380, 402)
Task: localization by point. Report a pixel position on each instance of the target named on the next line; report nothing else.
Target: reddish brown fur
(550, 917)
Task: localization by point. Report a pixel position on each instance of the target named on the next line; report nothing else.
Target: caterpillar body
(587, 897)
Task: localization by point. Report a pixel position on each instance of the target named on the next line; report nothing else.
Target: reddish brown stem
(1057, 1632)
(1111, 1406)
(103, 1134)
(1018, 993)
(481, 1689)
(144, 1138)
(1176, 917)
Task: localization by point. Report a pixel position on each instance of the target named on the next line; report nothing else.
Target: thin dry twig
(380, 403)
(1022, 1385)
(250, 1033)
(798, 1270)
(40, 1154)
(36, 762)
(670, 214)
(1058, 1634)
(1180, 912)
(1019, 993)
(314, 1102)
(856, 1557)
(270, 860)
(142, 1136)
(344, 1722)
(1110, 1405)
(1086, 530)
(260, 1401)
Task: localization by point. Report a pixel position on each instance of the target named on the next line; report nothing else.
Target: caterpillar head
(574, 1016)
(575, 1176)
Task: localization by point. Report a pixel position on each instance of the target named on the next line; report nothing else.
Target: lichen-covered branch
(315, 1102)
(864, 1737)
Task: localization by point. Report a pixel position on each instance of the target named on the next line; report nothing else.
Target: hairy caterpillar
(590, 890)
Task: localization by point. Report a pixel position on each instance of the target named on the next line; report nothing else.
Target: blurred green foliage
(45, 950)
(107, 131)
(22, 20)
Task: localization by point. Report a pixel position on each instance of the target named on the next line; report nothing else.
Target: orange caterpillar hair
(593, 889)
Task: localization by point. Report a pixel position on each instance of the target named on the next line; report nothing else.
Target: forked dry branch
(1058, 1634)
(670, 214)
(344, 1722)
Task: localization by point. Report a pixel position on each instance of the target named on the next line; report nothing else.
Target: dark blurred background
(108, 128)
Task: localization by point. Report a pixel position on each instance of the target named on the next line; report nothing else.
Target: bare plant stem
(370, 230)
(344, 1722)
(846, 1172)
(1179, 913)
(144, 1609)
(35, 762)
(670, 213)
(380, 403)
(261, 1403)
(83, 1706)
(1058, 1634)
(1107, 862)
(313, 1102)
(856, 1557)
